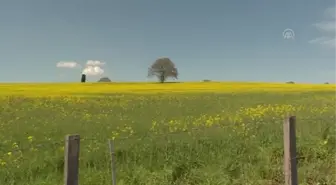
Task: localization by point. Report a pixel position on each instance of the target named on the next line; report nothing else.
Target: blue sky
(227, 40)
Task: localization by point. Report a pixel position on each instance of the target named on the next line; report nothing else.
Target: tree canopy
(163, 68)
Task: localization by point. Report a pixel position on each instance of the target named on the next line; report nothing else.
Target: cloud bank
(91, 68)
(327, 29)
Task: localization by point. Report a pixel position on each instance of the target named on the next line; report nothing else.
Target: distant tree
(83, 79)
(163, 68)
(206, 80)
(326, 83)
(290, 82)
(104, 79)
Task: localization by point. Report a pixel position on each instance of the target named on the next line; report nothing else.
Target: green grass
(245, 147)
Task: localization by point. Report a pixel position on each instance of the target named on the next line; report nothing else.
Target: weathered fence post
(290, 168)
(113, 169)
(71, 159)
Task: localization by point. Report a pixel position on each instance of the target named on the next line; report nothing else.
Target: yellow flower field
(175, 133)
(216, 87)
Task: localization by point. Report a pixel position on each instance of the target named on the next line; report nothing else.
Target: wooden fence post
(114, 180)
(290, 168)
(71, 159)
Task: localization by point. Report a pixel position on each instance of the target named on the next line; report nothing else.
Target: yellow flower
(15, 145)
(2, 163)
(325, 142)
(30, 138)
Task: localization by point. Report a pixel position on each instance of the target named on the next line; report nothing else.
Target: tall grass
(185, 138)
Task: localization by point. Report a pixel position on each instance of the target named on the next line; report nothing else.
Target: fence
(290, 168)
(72, 157)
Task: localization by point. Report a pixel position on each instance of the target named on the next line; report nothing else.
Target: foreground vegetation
(183, 134)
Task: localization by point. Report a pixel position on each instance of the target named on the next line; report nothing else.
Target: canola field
(166, 134)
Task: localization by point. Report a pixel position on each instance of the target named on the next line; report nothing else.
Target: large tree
(163, 68)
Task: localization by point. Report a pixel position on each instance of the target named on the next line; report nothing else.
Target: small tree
(163, 68)
(104, 79)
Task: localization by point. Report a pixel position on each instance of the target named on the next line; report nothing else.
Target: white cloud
(318, 40)
(327, 41)
(331, 42)
(327, 28)
(330, 12)
(93, 70)
(63, 64)
(95, 63)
